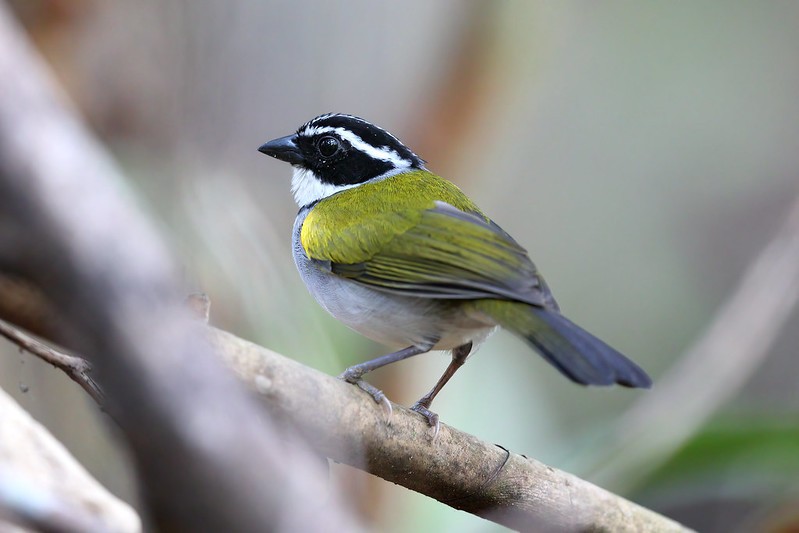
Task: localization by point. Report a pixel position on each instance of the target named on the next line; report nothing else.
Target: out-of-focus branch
(207, 456)
(714, 369)
(43, 486)
(32, 508)
(24, 305)
(75, 367)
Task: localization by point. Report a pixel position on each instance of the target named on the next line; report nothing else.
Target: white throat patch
(307, 188)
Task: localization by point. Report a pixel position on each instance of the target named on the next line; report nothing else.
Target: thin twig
(75, 367)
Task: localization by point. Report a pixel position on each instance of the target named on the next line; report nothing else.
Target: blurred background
(645, 154)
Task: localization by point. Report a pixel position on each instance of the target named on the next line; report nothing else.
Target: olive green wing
(455, 255)
(419, 235)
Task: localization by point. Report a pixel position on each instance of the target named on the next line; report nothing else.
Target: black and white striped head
(334, 152)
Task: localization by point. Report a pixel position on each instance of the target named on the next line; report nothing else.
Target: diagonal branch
(200, 443)
(44, 488)
(456, 468)
(75, 367)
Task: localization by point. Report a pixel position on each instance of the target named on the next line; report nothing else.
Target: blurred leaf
(754, 457)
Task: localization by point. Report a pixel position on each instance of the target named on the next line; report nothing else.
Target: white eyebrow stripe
(383, 153)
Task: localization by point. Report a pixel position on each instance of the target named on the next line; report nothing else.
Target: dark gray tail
(581, 356)
(576, 353)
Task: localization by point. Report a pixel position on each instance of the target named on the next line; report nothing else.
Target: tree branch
(456, 469)
(24, 305)
(201, 445)
(75, 367)
(43, 486)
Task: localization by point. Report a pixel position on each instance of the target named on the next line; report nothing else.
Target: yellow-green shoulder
(352, 225)
(418, 189)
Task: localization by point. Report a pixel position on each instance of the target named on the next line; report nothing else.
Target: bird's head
(334, 152)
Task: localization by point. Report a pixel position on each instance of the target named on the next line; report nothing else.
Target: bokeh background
(645, 154)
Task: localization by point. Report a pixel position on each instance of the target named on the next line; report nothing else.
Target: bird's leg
(354, 373)
(459, 356)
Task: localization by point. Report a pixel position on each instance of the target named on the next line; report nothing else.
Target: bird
(403, 257)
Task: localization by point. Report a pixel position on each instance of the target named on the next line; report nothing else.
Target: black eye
(328, 146)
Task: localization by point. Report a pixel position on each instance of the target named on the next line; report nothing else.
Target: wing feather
(444, 248)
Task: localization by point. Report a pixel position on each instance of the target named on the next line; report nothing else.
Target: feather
(418, 235)
(579, 355)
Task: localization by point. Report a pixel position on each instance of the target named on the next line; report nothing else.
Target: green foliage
(755, 458)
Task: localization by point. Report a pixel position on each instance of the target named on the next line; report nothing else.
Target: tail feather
(579, 355)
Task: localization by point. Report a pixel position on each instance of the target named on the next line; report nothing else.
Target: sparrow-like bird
(405, 258)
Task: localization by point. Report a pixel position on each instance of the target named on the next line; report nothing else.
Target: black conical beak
(284, 149)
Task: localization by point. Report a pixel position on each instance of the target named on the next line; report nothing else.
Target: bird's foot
(430, 416)
(352, 375)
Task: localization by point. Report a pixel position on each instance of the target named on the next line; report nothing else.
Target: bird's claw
(430, 416)
(377, 395)
(388, 410)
